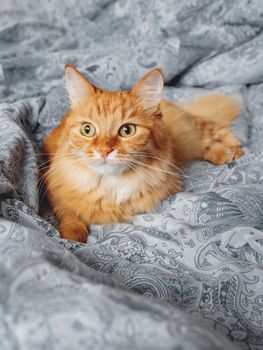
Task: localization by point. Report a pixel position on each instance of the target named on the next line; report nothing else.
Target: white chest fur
(117, 187)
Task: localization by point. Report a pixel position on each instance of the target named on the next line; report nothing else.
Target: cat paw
(237, 152)
(219, 154)
(78, 234)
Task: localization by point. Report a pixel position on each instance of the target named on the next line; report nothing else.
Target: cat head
(113, 132)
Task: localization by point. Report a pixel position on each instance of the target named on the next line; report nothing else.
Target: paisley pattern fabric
(188, 276)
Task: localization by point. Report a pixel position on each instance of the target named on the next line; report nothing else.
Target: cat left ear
(78, 87)
(149, 88)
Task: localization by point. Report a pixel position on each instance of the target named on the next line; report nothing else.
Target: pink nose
(105, 152)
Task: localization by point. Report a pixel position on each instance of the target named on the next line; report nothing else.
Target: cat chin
(109, 169)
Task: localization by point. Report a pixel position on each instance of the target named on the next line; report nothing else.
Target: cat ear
(78, 87)
(149, 89)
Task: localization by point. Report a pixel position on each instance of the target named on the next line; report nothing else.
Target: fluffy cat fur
(108, 178)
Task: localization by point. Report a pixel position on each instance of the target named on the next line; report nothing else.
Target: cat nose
(105, 152)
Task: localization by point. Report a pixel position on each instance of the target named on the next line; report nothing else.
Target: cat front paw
(78, 234)
(219, 154)
(237, 152)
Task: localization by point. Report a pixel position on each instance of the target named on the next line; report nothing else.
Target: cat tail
(214, 107)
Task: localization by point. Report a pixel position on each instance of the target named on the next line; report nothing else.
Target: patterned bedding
(188, 276)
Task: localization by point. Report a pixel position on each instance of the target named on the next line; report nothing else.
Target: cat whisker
(140, 173)
(52, 153)
(153, 184)
(142, 154)
(48, 161)
(46, 177)
(136, 165)
(135, 161)
(60, 162)
(63, 157)
(46, 174)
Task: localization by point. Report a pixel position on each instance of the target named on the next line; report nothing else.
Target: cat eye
(127, 130)
(88, 130)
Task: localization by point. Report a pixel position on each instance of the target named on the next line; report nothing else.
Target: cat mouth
(108, 167)
(104, 161)
(105, 166)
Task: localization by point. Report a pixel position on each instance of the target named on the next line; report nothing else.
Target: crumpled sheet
(188, 276)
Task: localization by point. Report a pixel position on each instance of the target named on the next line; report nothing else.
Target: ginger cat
(116, 154)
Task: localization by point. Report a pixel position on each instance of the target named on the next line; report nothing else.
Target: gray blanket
(188, 276)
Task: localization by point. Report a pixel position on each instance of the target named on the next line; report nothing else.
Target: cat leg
(223, 148)
(72, 228)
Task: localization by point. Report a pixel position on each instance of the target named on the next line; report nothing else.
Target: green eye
(88, 130)
(127, 130)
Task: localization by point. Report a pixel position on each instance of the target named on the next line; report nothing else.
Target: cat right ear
(149, 88)
(78, 87)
